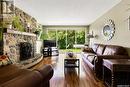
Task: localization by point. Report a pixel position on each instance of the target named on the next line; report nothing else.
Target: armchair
(13, 76)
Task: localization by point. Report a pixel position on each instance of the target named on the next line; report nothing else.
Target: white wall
(119, 14)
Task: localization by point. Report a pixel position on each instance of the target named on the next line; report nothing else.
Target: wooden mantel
(19, 32)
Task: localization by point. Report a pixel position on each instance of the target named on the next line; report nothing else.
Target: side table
(116, 72)
(52, 51)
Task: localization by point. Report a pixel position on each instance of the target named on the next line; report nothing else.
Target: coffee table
(72, 62)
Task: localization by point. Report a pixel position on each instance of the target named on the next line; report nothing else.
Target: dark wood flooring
(70, 78)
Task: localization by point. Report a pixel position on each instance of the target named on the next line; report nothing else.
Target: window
(66, 37)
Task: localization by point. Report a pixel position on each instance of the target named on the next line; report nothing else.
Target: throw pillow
(88, 50)
(4, 60)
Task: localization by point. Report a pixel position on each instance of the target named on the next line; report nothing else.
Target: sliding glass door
(51, 34)
(61, 40)
(67, 38)
(80, 36)
(70, 40)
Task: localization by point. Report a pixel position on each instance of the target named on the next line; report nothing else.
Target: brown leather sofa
(94, 56)
(13, 76)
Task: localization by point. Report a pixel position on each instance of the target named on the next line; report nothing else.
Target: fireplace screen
(25, 50)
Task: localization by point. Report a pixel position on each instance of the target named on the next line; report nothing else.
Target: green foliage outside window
(43, 36)
(70, 38)
(80, 37)
(66, 39)
(61, 39)
(51, 34)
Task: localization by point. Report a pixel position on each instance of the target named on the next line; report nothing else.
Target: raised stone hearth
(30, 62)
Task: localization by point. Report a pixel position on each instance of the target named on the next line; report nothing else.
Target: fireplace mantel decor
(18, 32)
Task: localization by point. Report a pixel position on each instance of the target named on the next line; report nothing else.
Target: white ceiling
(66, 12)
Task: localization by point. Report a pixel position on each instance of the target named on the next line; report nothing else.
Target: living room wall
(120, 15)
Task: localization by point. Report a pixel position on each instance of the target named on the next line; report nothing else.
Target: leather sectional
(94, 56)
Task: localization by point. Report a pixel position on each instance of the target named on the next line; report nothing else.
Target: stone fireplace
(22, 26)
(21, 48)
(12, 45)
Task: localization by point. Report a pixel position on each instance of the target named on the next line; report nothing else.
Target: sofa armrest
(98, 67)
(46, 72)
(101, 57)
(36, 78)
(31, 79)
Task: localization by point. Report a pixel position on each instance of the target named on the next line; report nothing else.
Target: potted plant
(16, 24)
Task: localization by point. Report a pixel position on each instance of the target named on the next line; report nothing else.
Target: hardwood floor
(70, 78)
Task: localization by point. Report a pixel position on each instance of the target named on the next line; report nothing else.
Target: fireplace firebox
(26, 50)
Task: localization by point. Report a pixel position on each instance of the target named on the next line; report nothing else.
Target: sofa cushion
(100, 49)
(114, 50)
(94, 47)
(91, 58)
